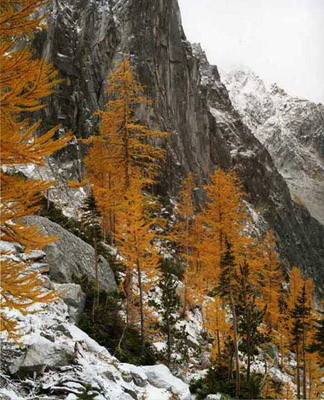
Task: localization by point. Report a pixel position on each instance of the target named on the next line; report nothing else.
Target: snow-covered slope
(292, 130)
(58, 361)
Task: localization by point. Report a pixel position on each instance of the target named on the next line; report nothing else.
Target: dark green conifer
(300, 315)
(228, 290)
(91, 224)
(249, 316)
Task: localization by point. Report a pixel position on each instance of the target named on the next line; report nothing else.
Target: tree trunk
(237, 361)
(304, 363)
(95, 246)
(297, 371)
(139, 276)
(169, 342)
(218, 342)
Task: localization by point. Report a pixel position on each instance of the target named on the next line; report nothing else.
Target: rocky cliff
(86, 37)
(292, 130)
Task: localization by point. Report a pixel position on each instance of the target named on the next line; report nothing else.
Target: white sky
(281, 40)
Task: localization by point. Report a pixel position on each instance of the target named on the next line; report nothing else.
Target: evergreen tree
(250, 316)
(168, 308)
(300, 315)
(172, 324)
(91, 223)
(228, 291)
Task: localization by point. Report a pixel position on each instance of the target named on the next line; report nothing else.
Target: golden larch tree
(24, 82)
(123, 146)
(183, 235)
(225, 219)
(270, 278)
(216, 323)
(134, 236)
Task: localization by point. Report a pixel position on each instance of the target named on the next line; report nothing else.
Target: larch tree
(24, 82)
(184, 236)
(215, 321)
(317, 344)
(123, 146)
(224, 218)
(269, 281)
(134, 236)
(314, 375)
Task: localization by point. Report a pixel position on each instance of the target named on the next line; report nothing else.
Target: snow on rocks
(57, 360)
(160, 376)
(292, 130)
(214, 397)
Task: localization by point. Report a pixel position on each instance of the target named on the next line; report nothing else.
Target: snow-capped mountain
(292, 130)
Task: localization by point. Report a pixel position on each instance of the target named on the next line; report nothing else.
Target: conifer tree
(168, 308)
(250, 316)
(24, 82)
(184, 236)
(228, 291)
(283, 325)
(91, 222)
(134, 238)
(215, 321)
(269, 280)
(300, 316)
(225, 219)
(318, 338)
(129, 140)
(314, 375)
(123, 146)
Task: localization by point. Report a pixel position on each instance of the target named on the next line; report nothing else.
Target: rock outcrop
(86, 38)
(70, 258)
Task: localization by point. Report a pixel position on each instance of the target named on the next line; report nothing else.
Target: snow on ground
(61, 359)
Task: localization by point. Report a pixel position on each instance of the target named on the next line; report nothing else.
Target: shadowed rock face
(188, 100)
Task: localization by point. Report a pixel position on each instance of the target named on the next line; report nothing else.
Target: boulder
(74, 298)
(41, 355)
(161, 377)
(214, 397)
(70, 258)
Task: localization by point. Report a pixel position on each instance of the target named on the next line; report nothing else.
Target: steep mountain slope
(291, 129)
(84, 40)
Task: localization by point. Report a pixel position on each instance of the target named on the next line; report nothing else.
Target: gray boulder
(71, 258)
(42, 354)
(74, 298)
(161, 377)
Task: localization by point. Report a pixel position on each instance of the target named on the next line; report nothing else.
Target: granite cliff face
(292, 129)
(84, 40)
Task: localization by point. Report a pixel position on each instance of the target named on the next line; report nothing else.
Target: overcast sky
(281, 40)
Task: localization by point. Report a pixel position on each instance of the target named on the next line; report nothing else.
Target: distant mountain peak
(292, 130)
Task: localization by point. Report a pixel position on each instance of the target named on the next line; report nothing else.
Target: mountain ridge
(291, 128)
